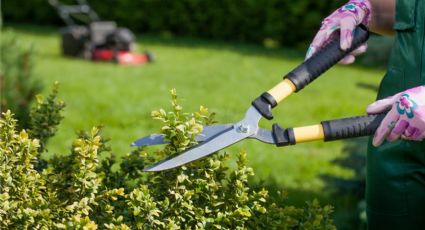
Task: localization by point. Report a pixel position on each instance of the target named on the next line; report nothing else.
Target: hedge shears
(216, 137)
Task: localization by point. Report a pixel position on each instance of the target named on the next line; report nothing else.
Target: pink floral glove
(346, 19)
(406, 119)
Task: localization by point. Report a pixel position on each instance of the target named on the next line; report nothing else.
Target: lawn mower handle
(81, 8)
(330, 130)
(308, 71)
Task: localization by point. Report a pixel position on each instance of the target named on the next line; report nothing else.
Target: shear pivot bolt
(243, 129)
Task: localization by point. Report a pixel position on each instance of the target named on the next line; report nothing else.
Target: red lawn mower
(95, 39)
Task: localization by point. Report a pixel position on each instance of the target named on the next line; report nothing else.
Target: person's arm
(383, 16)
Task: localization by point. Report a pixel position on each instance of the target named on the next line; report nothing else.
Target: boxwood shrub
(81, 189)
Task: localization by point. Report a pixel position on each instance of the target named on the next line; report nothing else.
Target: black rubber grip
(264, 105)
(325, 58)
(283, 137)
(351, 127)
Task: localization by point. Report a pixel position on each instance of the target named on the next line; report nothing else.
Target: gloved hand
(346, 19)
(406, 119)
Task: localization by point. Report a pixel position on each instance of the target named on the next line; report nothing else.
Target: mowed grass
(225, 77)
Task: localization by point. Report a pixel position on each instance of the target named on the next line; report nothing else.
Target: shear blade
(153, 139)
(244, 129)
(158, 139)
(199, 151)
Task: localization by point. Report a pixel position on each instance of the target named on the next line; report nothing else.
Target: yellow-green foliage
(45, 116)
(80, 191)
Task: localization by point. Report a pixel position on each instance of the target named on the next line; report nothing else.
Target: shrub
(17, 83)
(45, 116)
(80, 191)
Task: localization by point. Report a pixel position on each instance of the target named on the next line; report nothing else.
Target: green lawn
(224, 77)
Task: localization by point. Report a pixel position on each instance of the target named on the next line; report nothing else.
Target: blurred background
(216, 53)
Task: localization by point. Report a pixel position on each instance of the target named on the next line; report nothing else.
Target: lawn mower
(86, 36)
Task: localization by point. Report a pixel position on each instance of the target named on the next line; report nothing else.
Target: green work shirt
(395, 181)
(405, 68)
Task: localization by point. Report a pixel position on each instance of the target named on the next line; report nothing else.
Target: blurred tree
(286, 22)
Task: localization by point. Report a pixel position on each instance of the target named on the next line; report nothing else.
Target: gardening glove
(346, 19)
(405, 119)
